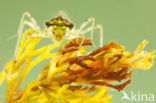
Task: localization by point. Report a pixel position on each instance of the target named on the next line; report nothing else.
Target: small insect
(58, 28)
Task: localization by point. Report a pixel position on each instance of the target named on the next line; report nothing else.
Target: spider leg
(27, 14)
(91, 29)
(38, 35)
(90, 20)
(32, 23)
(72, 35)
(97, 26)
(82, 42)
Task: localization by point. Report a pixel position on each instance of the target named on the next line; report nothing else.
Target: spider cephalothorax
(59, 26)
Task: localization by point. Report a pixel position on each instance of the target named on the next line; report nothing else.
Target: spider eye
(47, 24)
(71, 25)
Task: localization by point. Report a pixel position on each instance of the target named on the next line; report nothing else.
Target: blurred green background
(127, 22)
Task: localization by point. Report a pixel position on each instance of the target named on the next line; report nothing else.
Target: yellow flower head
(71, 76)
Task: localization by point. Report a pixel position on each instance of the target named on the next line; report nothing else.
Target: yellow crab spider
(58, 28)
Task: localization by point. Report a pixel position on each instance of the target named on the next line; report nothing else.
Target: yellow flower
(71, 76)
